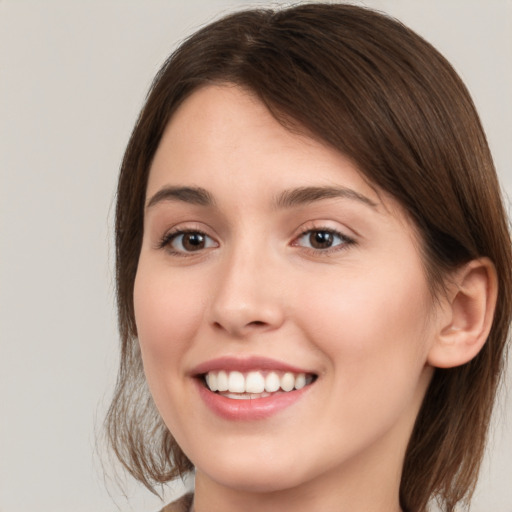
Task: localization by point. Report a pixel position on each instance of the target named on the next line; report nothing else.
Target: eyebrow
(304, 195)
(287, 199)
(191, 195)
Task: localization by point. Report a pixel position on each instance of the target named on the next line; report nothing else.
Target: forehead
(224, 133)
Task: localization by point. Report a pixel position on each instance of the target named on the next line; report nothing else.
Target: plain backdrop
(73, 76)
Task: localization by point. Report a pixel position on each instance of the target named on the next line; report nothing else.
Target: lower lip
(250, 409)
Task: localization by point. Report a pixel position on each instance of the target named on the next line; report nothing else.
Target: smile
(252, 388)
(254, 384)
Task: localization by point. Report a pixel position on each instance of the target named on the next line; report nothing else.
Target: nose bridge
(247, 296)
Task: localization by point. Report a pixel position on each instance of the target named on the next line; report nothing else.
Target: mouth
(251, 388)
(255, 384)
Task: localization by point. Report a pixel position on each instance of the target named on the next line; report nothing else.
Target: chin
(253, 477)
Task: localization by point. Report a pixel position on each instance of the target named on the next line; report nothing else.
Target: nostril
(257, 323)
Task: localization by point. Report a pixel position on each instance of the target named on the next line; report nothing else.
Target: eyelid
(323, 226)
(165, 241)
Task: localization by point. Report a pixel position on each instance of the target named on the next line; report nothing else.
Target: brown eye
(190, 241)
(322, 239)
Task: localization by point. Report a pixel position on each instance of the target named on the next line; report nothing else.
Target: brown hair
(376, 91)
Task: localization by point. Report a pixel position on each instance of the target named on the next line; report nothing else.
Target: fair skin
(261, 243)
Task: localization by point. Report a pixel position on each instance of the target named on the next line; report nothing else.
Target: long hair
(370, 87)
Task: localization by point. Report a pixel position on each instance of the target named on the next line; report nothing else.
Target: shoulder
(181, 505)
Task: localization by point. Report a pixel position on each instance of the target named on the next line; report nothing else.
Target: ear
(467, 313)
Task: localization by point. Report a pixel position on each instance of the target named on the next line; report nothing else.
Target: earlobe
(468, 314)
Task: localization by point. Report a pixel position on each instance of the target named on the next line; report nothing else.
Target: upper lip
(245, 364)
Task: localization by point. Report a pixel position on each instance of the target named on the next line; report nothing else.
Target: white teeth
(272, 382)
(238, 396)
(287, 381)
(222, 381)
(245, 396)
(300, 381)
(211, 381)
(236, 382)
(254, 384)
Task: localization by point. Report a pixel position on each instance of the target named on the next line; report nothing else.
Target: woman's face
(269, 264)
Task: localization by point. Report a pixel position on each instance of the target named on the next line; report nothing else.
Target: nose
(248, 295)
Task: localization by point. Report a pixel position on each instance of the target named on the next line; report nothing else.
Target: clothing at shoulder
(184, 504)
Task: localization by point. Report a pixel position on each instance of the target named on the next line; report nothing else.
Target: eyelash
(345, 241)
(170, 237)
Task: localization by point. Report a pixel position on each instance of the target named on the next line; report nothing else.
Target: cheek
(167, 314)
(374, 330)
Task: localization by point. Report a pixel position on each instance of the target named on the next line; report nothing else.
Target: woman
(313, 270)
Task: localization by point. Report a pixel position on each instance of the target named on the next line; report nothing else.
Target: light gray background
(73, 75)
